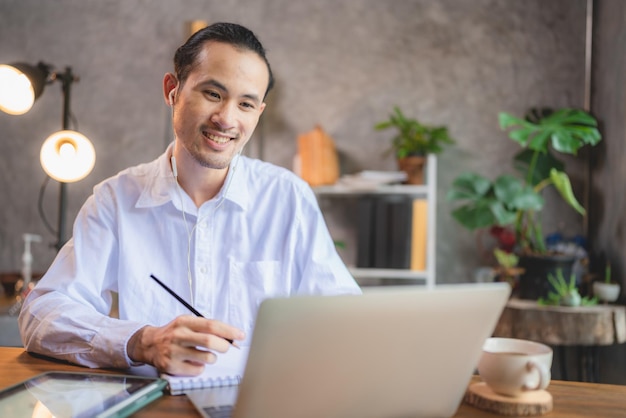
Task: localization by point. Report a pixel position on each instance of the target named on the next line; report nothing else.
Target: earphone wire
(180, 197)
(182, 203)
(182, 209)
(200, 219)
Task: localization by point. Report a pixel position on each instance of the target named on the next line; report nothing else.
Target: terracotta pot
(413, 166)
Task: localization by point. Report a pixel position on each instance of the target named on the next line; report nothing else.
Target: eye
(212, 94)
(247, 105)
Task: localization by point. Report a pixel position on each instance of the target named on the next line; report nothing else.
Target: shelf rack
(428, 191)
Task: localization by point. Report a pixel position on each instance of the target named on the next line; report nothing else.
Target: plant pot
(9, 280)
(571, 299)
(606, 292)
(413, 166)
(533, 283)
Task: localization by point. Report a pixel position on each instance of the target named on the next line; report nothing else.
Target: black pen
(187, 305)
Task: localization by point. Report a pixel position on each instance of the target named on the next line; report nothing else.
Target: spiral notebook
(226, 371)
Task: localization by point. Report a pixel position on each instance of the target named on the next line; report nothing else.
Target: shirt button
(203, 270)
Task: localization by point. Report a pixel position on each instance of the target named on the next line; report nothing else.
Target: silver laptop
(392, 352)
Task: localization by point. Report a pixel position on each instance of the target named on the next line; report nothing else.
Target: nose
(223, 117)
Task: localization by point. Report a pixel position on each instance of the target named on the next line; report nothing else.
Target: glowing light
(16, 91)
(67, 156)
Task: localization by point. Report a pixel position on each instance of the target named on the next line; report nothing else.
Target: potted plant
(412, 143)
(507, 269)
(606, 290)
(565, 292)
(515, 201)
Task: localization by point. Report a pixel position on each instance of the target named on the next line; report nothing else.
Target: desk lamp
(66, 156)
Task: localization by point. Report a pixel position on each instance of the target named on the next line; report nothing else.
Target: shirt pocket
(249, 284)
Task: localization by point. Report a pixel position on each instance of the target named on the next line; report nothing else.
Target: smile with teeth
(216, 138)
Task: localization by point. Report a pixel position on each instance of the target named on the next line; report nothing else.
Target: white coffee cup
(512, 366)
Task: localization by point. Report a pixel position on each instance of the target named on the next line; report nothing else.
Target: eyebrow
(220, 86)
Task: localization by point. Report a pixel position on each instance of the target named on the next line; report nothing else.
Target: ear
(170, 83)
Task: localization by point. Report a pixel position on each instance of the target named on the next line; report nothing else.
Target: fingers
(190, 338)
(212, 334)
(188, 361)
(184, 345)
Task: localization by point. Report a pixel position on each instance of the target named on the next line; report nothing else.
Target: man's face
(220, 103)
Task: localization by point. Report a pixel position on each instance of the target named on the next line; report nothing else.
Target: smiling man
(221, 230)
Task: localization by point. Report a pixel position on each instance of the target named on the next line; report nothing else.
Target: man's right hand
(181, 347)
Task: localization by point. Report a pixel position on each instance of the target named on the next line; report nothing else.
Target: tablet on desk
(74, 394)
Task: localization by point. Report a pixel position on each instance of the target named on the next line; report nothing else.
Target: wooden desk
(563, 325)
(571, 399)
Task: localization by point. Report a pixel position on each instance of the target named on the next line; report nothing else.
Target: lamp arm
(66, 78)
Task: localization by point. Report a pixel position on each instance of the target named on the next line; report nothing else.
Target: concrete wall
(340, 64)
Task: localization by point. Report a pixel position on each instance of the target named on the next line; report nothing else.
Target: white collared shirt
(262, 236)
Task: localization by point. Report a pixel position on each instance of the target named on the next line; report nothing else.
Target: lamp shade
(20, 85)
(67, 156)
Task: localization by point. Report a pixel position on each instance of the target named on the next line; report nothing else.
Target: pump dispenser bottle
(27, 258)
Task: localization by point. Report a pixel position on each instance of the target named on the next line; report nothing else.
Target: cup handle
(544, 375)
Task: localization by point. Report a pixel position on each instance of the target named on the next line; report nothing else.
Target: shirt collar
(160, 183)
(236, 184)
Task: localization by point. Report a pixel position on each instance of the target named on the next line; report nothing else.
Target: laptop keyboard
(224, 411)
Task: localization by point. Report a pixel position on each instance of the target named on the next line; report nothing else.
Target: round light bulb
(67, 151)
(67, 156)
(16, 91)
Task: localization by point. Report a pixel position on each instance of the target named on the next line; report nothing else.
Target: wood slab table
(571, 399)
(584, 327)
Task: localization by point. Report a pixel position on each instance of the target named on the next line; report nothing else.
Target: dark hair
(230, 33)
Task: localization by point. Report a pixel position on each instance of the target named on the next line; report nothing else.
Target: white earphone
(171, 96)
(178, 188)
(173, 159)
(174, 170)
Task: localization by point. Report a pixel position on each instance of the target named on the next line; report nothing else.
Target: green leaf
(506, 187)
(340, 244)
(506, 120)
(473, 217)
(558, 282)
(544, 163)
(413, 137)
(565, 142)
(470, 185)
(505, 259)
(511, 200)
(528, 199)
(516, 195)
(382, 125)
(563, 185)
(572, 281)
(539, 141)
(567, 129)
(586, 301)
(523, 135)
(502, 215)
